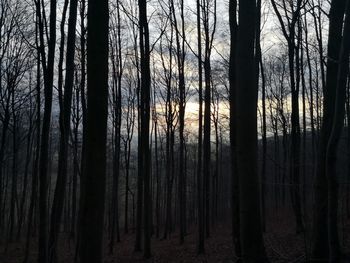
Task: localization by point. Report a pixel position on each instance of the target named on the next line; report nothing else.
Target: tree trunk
(48, 69)
(333, 141)
(65, 117)
(94, 172)
(246, 99)
(200, 136)
(320, 249)
(145, 118)
(34, 183)
(233, 130)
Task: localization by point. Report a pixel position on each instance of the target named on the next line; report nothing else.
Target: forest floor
(281, 242)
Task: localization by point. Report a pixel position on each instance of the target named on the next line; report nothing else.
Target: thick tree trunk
(320, 248)
(333, 142)
(246, 99)
(94, 172)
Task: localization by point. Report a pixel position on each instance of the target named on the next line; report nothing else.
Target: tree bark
(94, 173)
(320, 248)
(333, 141)
(246, 99)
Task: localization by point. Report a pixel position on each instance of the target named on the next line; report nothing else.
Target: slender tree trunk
(34, 182)
(264, 146)
(139, 201)
(65, 118)
(207, 113)
(288, 30)
(180, 52)
(14, 176)
(29, 151)
(76, 170)
(82, 14)
(145, 118)
(169, 139)
(5, 126)
(117, 112)
(48, 69)
(311, 101)
(157, 171)
(348, 148)
(200, 136)
(233, 131)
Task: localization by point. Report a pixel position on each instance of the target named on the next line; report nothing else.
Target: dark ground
(281, 242)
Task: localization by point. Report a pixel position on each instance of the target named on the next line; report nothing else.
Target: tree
(34, 183)
(246, 99)
(334, 137)
(180, 55)
(290, 34)
(170, 121)
(209, 31)
(117, 69)
(127, 139)
(320, 248)
(65, 119)
(94, 173)
(145, 119)
(200, 136)
(233, 129)
(48, 67)
(6, 28)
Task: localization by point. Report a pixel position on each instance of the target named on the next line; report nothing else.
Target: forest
(174, 131)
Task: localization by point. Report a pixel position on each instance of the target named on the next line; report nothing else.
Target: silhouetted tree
(246, 109)
(320, 249)
(65, 120)
(145, 119)
(48, 60)
(94, 173)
